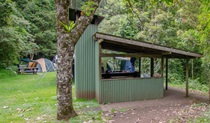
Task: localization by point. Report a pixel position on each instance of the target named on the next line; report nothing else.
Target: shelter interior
(130, 67)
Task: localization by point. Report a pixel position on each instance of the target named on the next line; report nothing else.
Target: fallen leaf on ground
(5, 107)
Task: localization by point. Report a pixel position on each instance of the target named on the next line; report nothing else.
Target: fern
(68, 27)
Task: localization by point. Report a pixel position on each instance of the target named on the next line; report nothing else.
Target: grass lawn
(31, 98)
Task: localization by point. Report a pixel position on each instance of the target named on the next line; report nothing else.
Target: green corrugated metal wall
(89, 85)
(85, 64)
(130, 89)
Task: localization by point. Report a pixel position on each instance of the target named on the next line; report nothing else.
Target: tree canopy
(27, 28)
(181, 24)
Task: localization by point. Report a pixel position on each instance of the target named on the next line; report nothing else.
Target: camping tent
(45, 65)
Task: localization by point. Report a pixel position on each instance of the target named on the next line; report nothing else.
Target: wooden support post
(166, 73)
(162, 66)
(192, 69)
(140, 67)
(151, 67)
(100, 69)
(209, 91)
(187, 75)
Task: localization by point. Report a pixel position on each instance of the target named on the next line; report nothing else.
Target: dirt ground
(174, 107)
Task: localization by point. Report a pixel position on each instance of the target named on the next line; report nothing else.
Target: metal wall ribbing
(85, 64)
(130, 89)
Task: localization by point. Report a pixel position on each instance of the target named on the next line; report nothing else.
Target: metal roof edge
(146, 44)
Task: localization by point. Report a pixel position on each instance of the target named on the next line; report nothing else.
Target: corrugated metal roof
(116, 43)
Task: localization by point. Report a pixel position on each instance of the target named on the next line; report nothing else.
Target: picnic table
(31, 68)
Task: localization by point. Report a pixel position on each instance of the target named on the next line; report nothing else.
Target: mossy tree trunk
(66, 42)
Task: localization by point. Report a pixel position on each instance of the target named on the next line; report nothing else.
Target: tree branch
(131, 6)
(82, 23)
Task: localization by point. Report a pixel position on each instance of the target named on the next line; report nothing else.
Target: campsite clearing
(24, 98)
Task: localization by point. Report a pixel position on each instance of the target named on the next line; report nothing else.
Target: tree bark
(31, 56)
(66, 42)
(65, 108)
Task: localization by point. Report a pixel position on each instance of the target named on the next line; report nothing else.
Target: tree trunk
(66, 42)
(31, 56)
(64, 64)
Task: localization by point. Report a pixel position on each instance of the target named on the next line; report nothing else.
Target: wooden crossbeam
(130, 55)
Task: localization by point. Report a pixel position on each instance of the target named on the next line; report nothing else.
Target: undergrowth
(5, 73)
(194, 84)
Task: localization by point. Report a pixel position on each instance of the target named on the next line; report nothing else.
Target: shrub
(195, 84)
(175, 78)
(5, 73)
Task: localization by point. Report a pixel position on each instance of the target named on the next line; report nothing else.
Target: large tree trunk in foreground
(64, 64)
(66, 42)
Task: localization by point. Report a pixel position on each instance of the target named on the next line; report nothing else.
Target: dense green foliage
(183, 24)
(12, 33)
(27, 29)
(41, 15)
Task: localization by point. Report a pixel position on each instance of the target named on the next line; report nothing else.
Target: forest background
(27, 29)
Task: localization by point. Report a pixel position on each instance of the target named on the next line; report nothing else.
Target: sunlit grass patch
(87, 110)
(24, 98)
(32, 98)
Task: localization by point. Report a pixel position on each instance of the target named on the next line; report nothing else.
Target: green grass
(28, 98)
(5, 73)
(31, 98)
(205, 118)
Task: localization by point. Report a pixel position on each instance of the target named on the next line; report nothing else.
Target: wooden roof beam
(130, 55)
